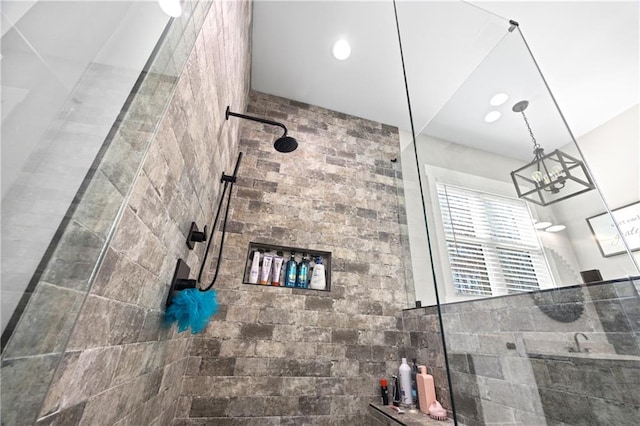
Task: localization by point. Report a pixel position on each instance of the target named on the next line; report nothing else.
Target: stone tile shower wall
(274, 355)
(120, 366)
(514, 359)
(425, 345)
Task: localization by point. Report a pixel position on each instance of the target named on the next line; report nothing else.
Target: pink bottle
(426, 389)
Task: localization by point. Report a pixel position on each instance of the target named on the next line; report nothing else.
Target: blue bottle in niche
(303, 272)
(291, 272)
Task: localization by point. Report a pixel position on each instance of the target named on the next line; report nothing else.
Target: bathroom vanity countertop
(409, 418)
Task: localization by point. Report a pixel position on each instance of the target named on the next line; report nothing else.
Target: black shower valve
(196, 236)
(180, 280)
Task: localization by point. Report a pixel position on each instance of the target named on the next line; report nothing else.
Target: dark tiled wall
(425, 344)
(119, 365)
(290, 356)
(515, 360)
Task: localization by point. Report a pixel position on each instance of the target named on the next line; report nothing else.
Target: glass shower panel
(562, 329)
(84, 85)
(537, 310)
(460, 150)
(62, 90)
(430, 32)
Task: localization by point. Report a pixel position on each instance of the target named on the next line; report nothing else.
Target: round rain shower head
(282, 144)
(285, 144)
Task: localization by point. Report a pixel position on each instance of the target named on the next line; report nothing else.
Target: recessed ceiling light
(498, 99)
(492, 116)
(172, 8)
(542, 225)
(555, 228)
(341, 50)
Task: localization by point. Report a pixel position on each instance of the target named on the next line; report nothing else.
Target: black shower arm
(259, 120)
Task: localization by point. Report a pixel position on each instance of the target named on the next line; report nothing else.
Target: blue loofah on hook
(191, 308)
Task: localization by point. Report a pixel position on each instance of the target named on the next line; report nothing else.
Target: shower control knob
(196, 236)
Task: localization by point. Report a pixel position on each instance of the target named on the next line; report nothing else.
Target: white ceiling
(457, 55)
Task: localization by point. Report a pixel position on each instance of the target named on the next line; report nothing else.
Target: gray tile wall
(281, 356)
(514, 359)
(425, 345)
(116, 365)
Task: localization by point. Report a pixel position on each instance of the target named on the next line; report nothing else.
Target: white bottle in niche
(405, 383)
(255, 268)
(318, 280)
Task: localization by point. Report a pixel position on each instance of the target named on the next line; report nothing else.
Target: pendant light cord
(536, 145)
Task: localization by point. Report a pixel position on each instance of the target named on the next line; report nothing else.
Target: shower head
(284, 143)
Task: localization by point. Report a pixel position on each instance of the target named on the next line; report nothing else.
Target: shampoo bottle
(265, 273)
(426, 389)
(405, 382)
(318, 281)
(303, 272)
(277, 267)
(255, 268)
(291, 272)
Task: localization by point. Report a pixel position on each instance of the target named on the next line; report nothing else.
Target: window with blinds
(491, 242)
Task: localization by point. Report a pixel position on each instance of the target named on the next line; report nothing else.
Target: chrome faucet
(577, 348)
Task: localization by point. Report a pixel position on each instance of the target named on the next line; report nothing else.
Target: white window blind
(491, 242)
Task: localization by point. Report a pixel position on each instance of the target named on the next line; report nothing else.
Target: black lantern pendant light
(549, 178)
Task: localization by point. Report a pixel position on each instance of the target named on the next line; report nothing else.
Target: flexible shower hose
(228, 184)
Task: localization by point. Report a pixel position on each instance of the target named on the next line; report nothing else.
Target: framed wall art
(607, 236)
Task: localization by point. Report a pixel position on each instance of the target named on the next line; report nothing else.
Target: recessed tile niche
(285, 252)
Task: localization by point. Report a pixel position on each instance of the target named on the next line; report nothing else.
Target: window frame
(495, 251)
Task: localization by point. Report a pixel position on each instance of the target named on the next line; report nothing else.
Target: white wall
(612, 152)
(421, 264)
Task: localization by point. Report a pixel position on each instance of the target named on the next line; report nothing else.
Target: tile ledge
(416, 418)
